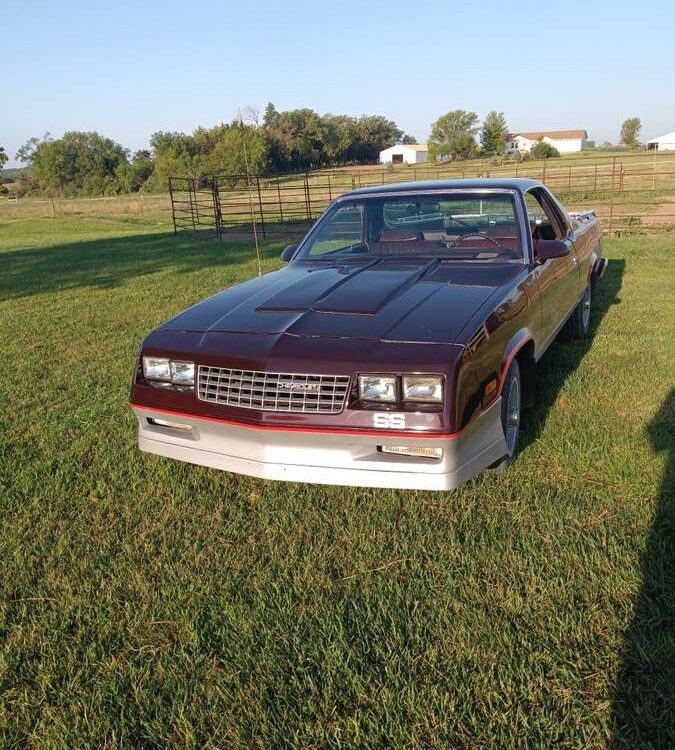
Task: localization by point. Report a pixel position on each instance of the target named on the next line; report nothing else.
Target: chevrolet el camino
(396, 349)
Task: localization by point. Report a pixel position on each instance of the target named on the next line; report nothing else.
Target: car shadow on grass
(112, 261)
(643, 707)
(564, 357)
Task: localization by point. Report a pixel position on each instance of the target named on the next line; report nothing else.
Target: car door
(557, 278)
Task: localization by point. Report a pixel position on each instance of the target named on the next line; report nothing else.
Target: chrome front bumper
(338, 458)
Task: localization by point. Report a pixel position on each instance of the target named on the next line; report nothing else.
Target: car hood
(385, 299)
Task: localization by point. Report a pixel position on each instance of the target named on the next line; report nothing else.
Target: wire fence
(140, 204)
(629, 195)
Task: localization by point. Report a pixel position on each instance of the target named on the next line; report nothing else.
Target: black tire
(512, 407)
(579, 322)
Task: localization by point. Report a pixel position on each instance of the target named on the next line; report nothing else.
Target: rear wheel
(579, 323)
(512, 404)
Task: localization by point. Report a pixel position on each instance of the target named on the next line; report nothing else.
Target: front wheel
(511, 409)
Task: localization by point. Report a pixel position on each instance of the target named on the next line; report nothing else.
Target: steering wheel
(481, 235)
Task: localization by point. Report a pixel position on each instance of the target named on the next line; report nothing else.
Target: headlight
(156, 368)
(167, 370)
(426, 388)
(378, 388)
(183, 373)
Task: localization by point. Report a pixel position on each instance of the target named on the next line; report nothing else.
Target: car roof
(521, 184)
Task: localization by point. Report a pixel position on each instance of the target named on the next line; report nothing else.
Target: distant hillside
(9, 175)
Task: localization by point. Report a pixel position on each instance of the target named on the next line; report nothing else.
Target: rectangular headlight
(183, 373)
(156, 368)
(423, 388)
(378, 388)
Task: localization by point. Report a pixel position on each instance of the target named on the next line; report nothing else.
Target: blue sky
(128, 69)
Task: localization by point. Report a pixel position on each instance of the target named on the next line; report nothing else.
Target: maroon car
(394, 350)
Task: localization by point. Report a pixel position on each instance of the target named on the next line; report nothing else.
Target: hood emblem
(288, 385)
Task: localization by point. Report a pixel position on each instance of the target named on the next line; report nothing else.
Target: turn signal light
(421, 451)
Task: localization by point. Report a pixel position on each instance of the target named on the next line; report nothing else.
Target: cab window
(544, 223)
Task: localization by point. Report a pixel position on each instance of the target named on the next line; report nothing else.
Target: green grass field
(148, 604)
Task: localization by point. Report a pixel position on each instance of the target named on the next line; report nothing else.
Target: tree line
(87, 163)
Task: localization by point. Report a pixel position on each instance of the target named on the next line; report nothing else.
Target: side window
(343, 230)
(559, 212)
(544, 223)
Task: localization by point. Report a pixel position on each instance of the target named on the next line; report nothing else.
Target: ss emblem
(391, 421)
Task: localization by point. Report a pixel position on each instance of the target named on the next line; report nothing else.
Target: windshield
(455, 226)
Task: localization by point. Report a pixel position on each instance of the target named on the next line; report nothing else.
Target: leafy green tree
(373, 133)
(543, 150)
(630, 130)
(493, 134)
(78, 163)
(296, 139)
(134, 175)
(26, 153)
(300, 139)
(3, 160)
(409, 139)
(339, 135)
(271, 117)
(172, 144)
(173, 154)
(239, 149)
(452, 136)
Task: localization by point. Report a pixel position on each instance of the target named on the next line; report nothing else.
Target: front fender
(515, 344)
(495, 365)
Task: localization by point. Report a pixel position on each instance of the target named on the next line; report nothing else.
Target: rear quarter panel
(587, 239)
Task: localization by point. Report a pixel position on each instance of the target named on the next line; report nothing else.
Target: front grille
(272, 391)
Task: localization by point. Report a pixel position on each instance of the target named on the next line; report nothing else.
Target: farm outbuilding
(404, 153)
(566, 141)
(662, 143)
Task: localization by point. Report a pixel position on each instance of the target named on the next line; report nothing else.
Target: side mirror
(547, 249)
(288, 252)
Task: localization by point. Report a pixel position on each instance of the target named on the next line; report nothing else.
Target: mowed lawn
(147, 603)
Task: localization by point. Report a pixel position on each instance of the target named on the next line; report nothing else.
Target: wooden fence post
(193, 200)
(611, 199)
(281, 210)
(308, 206)
(173, 208)
(260, 205)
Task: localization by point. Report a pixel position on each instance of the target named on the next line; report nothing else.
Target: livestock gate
(232, 203)
(195, 204)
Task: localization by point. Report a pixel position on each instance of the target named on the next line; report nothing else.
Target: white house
(566, 141)
(662, 143)
(404, 153)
